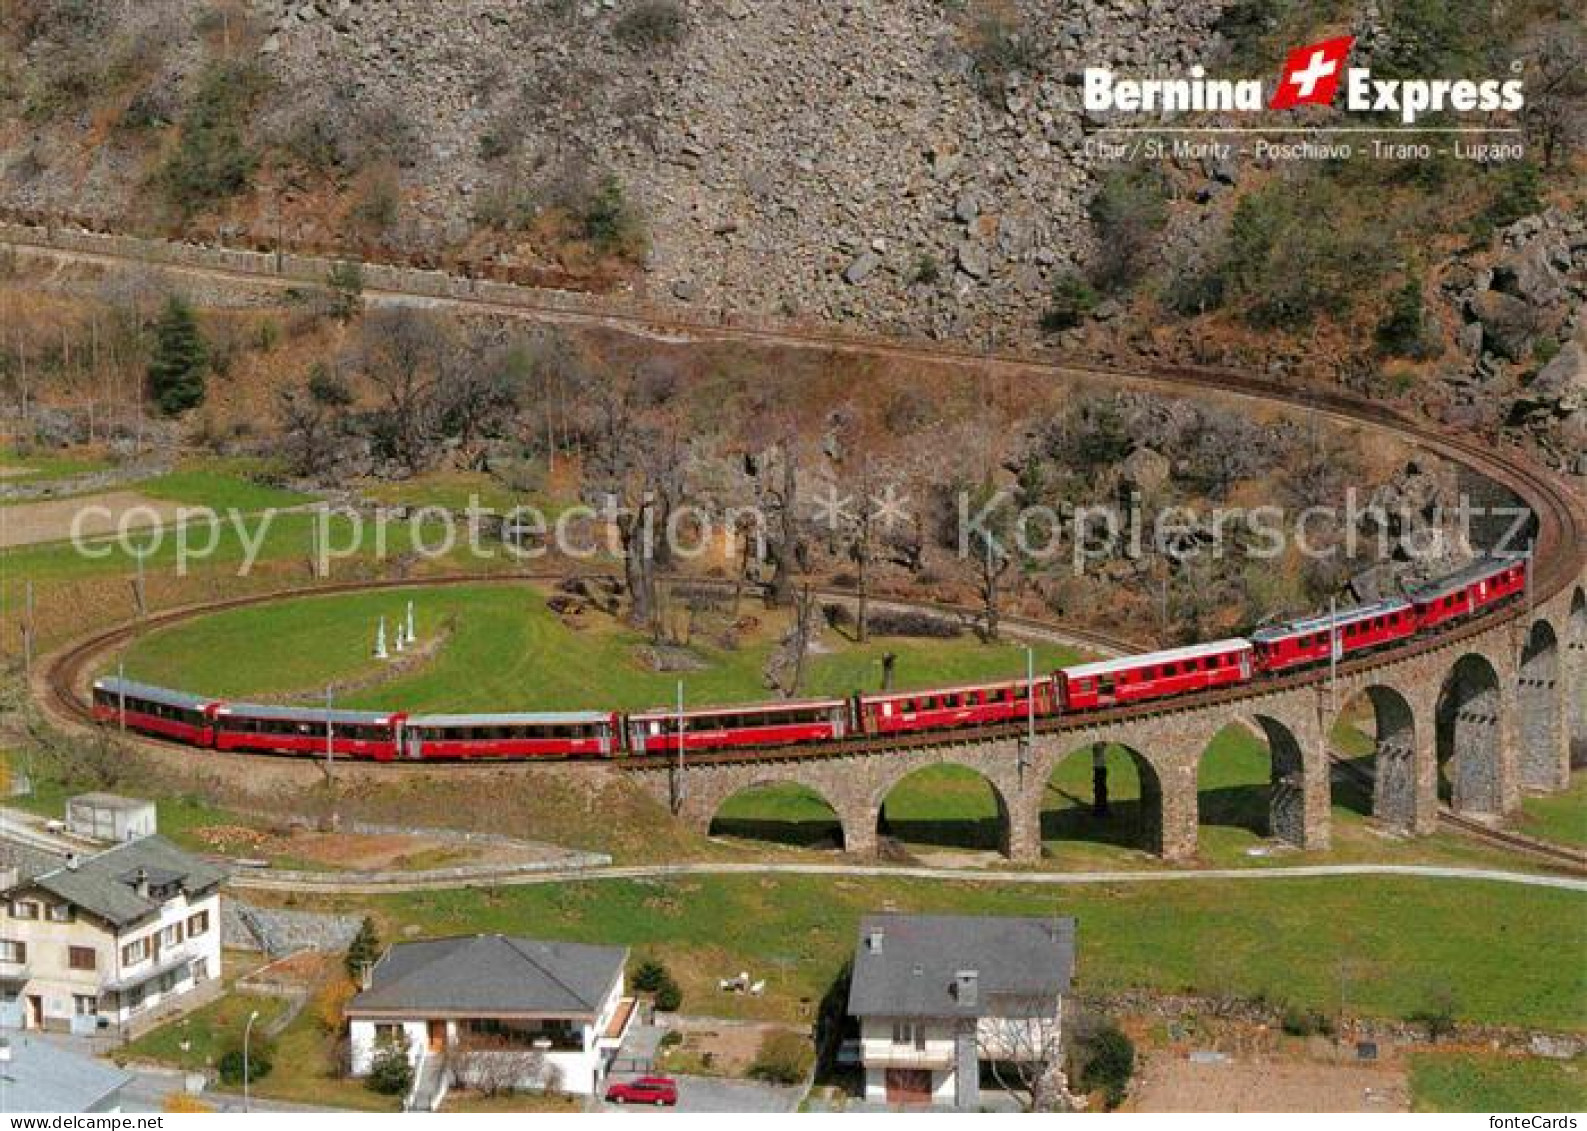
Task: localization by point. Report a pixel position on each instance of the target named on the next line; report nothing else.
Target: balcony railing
(906, 1056)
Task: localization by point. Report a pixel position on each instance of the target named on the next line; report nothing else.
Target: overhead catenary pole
(1333, 657)
(677, 789)
(121, 693)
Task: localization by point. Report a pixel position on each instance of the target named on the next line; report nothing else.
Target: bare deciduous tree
(409, 355)
(1024, 1050)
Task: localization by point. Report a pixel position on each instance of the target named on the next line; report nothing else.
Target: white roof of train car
(1172, 656)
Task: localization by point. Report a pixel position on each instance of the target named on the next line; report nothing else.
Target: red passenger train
(387, 736)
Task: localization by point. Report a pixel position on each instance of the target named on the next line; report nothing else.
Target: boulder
(1509, 325)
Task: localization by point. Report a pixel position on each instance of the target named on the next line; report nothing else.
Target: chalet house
(108, 940)
(554, 1012)
(937, 996)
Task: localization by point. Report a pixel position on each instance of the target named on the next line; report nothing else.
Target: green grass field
(505, 650)
(1402, 940)
(1472, 1082)
(1558, 816)
(33, 467)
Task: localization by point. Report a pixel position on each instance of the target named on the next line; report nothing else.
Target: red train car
(724, 728)
(1156, 675)
(1477, 587)
(1300, 643)
(303, 730)
(155, 710)
(969, 705)
(561, 734)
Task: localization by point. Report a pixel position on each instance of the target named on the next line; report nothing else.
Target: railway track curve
(1560, 539)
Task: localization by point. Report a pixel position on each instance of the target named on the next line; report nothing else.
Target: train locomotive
(1271, 651)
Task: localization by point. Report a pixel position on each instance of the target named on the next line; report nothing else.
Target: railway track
(1560, 545)
(1561, 855)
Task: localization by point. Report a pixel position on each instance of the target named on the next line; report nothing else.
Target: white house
(938, 996)
(552, 1012)
(109, 939)
(110, 817)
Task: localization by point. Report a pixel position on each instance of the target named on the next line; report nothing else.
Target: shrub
(346, 281)
(176, 371)
(390, 1072)
(330, 1004)
(1073, 300)
(783, 1058)
(1402, 332)
(1437, 1015)
(1109, 1064)
(1129, 210)
(669, 996)
(185, 1103)
(1000, 45)
(651, 975)
(610, 223)
(927, 270)
(651, 25)
(213, 159)
(261, 1059)
(1299, 1022)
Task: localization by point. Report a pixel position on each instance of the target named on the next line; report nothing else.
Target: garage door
(908, 1086)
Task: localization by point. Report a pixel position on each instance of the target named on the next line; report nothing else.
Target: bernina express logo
(1312, 76)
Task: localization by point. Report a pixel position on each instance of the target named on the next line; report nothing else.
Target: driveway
(708, 1093)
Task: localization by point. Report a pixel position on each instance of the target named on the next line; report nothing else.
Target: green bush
(346, 281)
(261, 1059)
(783, 1058)
(651, 976)
(669, 996)
(1298, 1022)
(1402, 331)
(176, 371)
(213, 158)
(610, 223)
(1000, 45)
(1109, 1064)
(390, 1072)
(1073, 300)
(1129, 211)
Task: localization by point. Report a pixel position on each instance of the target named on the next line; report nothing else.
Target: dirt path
(1173, 1083)
(26, 524)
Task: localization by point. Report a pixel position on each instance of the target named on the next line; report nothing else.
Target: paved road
(707, 1093)
(331, 885)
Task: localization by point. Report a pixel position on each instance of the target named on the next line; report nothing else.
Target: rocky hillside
(903, 166)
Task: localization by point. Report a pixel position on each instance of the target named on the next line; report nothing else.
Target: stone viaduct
(1499, 712)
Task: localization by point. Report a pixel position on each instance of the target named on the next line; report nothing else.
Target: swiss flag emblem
(1312, 73)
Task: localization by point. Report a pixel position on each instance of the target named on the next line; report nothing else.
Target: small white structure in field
(111, 817)
(412, 636)
(380, 641)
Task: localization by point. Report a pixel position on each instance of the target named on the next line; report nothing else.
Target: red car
(662, 1091)
(889, 712)
(754, 724)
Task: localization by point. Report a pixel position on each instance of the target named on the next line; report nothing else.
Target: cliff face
(889, 162)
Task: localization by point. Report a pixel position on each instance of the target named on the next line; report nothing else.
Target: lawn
(302, 1069)
(221, 487)
(1473, 1082)
(505, 650)
(1558, 816)
(1400, 941)
(58, 464)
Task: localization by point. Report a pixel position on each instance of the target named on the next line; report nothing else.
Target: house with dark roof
(938, 996)
(552, 1014)
(120, 937)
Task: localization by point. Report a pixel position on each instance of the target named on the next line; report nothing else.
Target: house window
(24, 909)
(135, 951)
(197, 924)
(387, 1033)
(13, 951)
(909, 1033)
(82, 957)
(85, 1005)
(60, 913)
(172, 935)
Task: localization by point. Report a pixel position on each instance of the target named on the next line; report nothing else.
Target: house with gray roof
(118, 938)
(937, 996)
(554, 1011)
(36, 1076)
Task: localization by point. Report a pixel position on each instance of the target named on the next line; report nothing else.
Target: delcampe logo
(1312, 76)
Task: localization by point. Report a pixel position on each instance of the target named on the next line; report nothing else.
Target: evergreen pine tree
(364, 949)
(176, 372)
